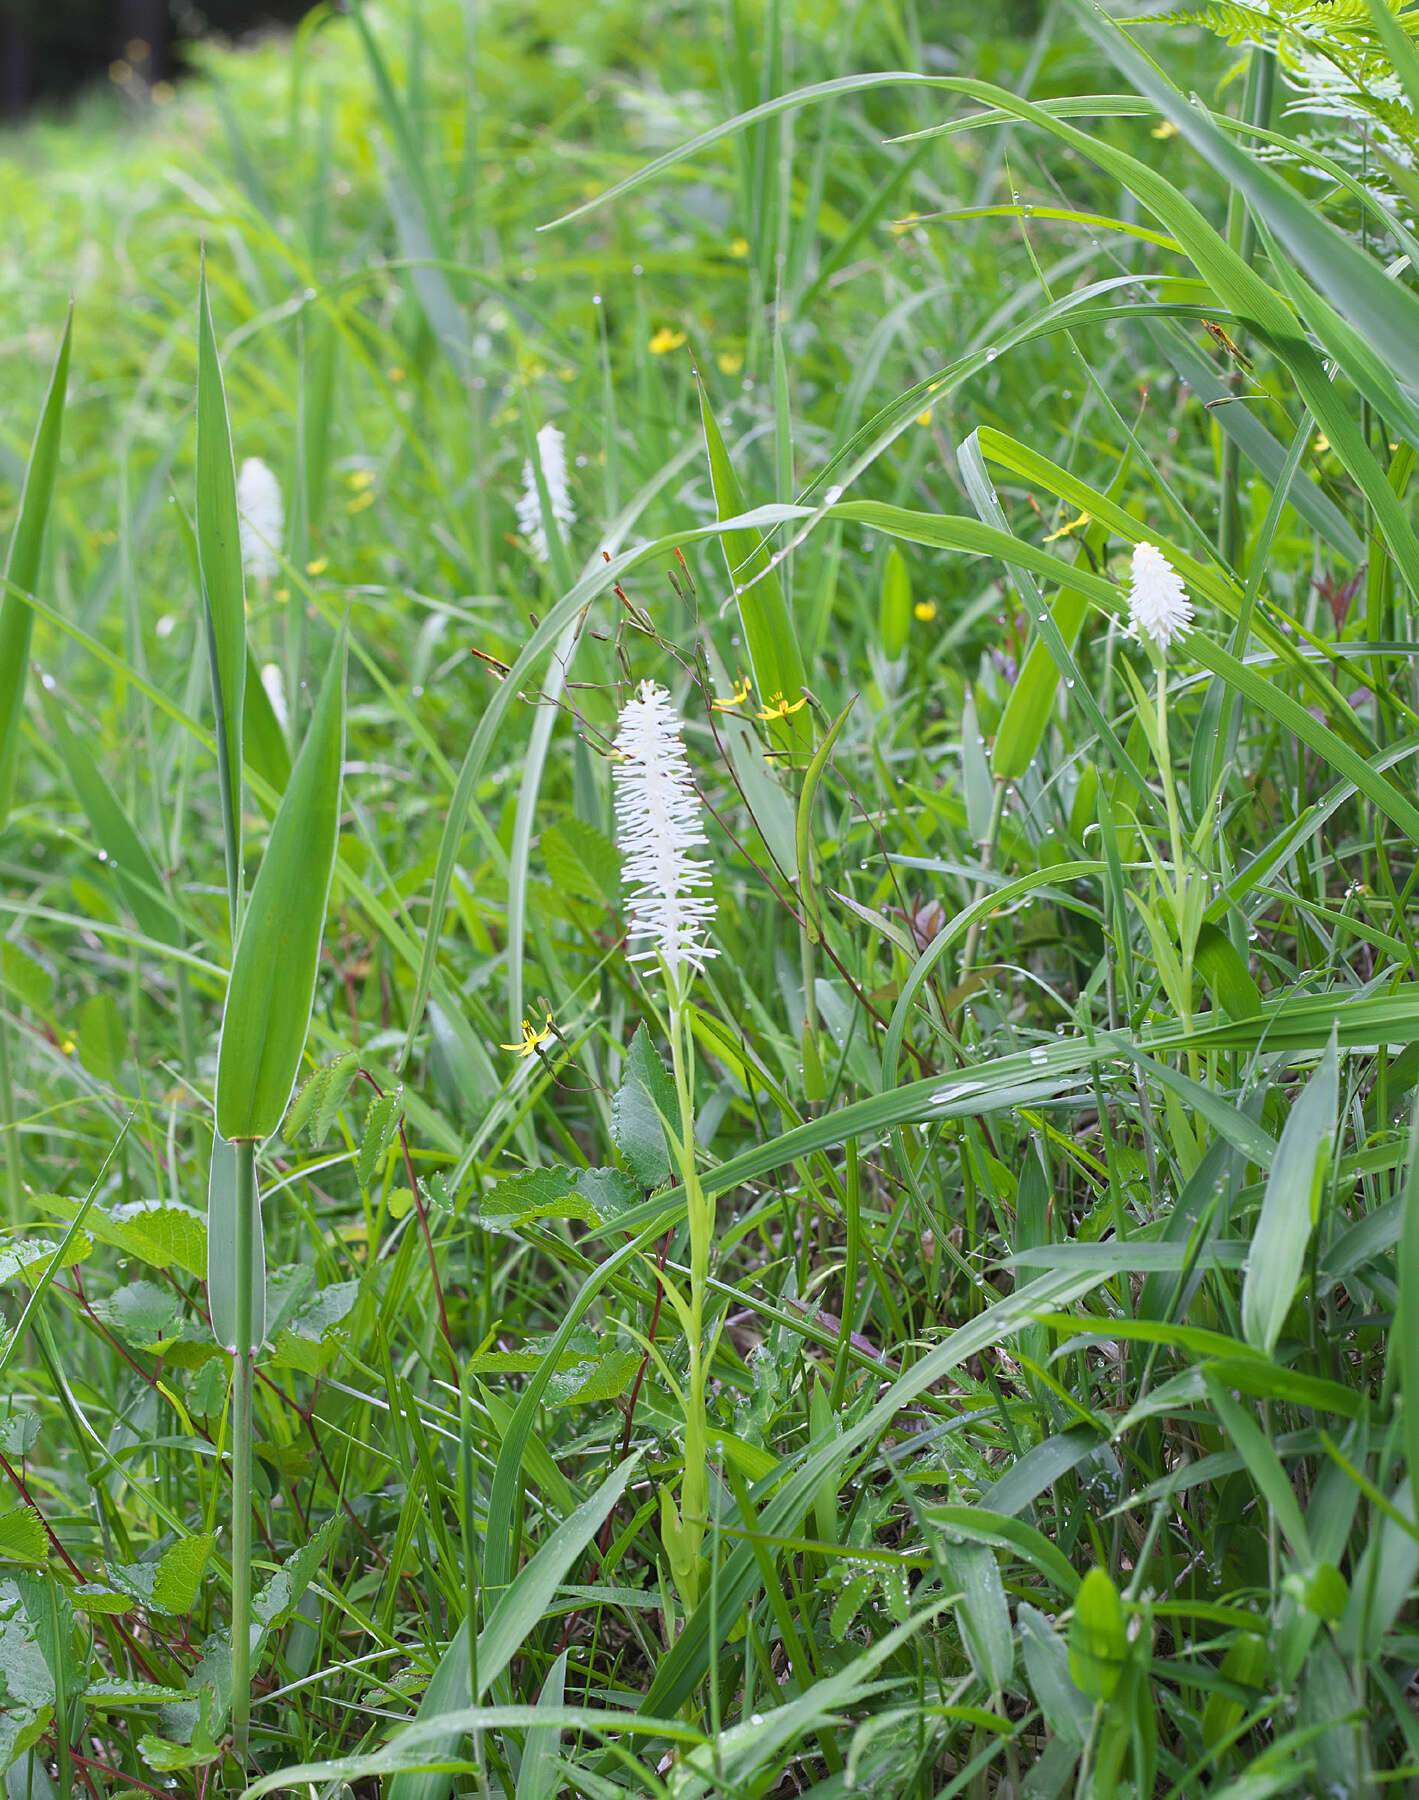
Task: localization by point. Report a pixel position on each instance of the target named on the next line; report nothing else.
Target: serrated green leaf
(645, 1096)
(278, 1600)
(141, 1312)
(99, 1597)
(581, 861)
(103, 1695)
(320, 1098)
(272, 984)
(381, 1123)
(179, 1575)
(591, 1195)
(157, 1232)
(23, 1538)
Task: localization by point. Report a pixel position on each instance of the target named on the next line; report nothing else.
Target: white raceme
(1158, 604)
(552, 455)
(261, 519)
(659, 827)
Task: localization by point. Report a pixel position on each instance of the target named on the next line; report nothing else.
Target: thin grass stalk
(694, 1488)
(10, 1131)
(1241, 235)
(243, 1373)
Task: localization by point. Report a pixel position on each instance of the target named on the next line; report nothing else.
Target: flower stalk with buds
(660, 830)
(1160, 614)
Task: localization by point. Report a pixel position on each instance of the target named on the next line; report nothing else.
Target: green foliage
(1053, 1084)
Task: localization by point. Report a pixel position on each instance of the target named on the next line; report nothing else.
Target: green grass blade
(22, 569)
(769, 632)
(223, 586)
(1288, 1208)
(272, 983)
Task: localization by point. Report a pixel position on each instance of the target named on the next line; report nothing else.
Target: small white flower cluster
(658, 823)
(261, 519)
(1158, 604)
(552, 454)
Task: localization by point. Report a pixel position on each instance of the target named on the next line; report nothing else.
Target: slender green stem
(243, 1372)
(694, 1491)
(992, 838)
(10, 1132)
(853, 1211)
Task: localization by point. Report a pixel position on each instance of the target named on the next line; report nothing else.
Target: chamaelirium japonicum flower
(1159, 608)
(659, 826)
(260, 519)
(552, 457)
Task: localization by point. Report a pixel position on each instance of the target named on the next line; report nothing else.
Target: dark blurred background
(52, 48)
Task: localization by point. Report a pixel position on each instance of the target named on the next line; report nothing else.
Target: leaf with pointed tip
(273, 975)
(219, 560)
(22, 569)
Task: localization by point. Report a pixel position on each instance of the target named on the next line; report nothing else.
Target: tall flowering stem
(1160, 613)
(660, 827)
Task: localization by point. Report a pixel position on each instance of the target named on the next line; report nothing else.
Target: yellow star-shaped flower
(741, 693)
(666, 340)
(532, 1039)
(780, 708)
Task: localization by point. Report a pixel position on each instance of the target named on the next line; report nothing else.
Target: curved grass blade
(1287, 1218)
(272, 983)
(22, 568)
(223, 587)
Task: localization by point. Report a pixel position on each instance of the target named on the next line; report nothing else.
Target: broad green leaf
(982, 1613)
(179, 1574)
(1225, 974)
(223, 585)
(645, 1097)
(157, 1232)
(278, 1600)
(1066, 1710)
(273, 975)
(1098, 1644)
(1245, 1666)
(22, 570)
(221, 1246)
(770, 636)
(140, 1312)
(1288, 1208)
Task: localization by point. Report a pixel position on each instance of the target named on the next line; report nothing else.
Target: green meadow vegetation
(947, 1322)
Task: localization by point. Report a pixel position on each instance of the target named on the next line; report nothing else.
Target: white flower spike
(261, 519)
(1158, 602)
(552, 454)
(658, 823)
